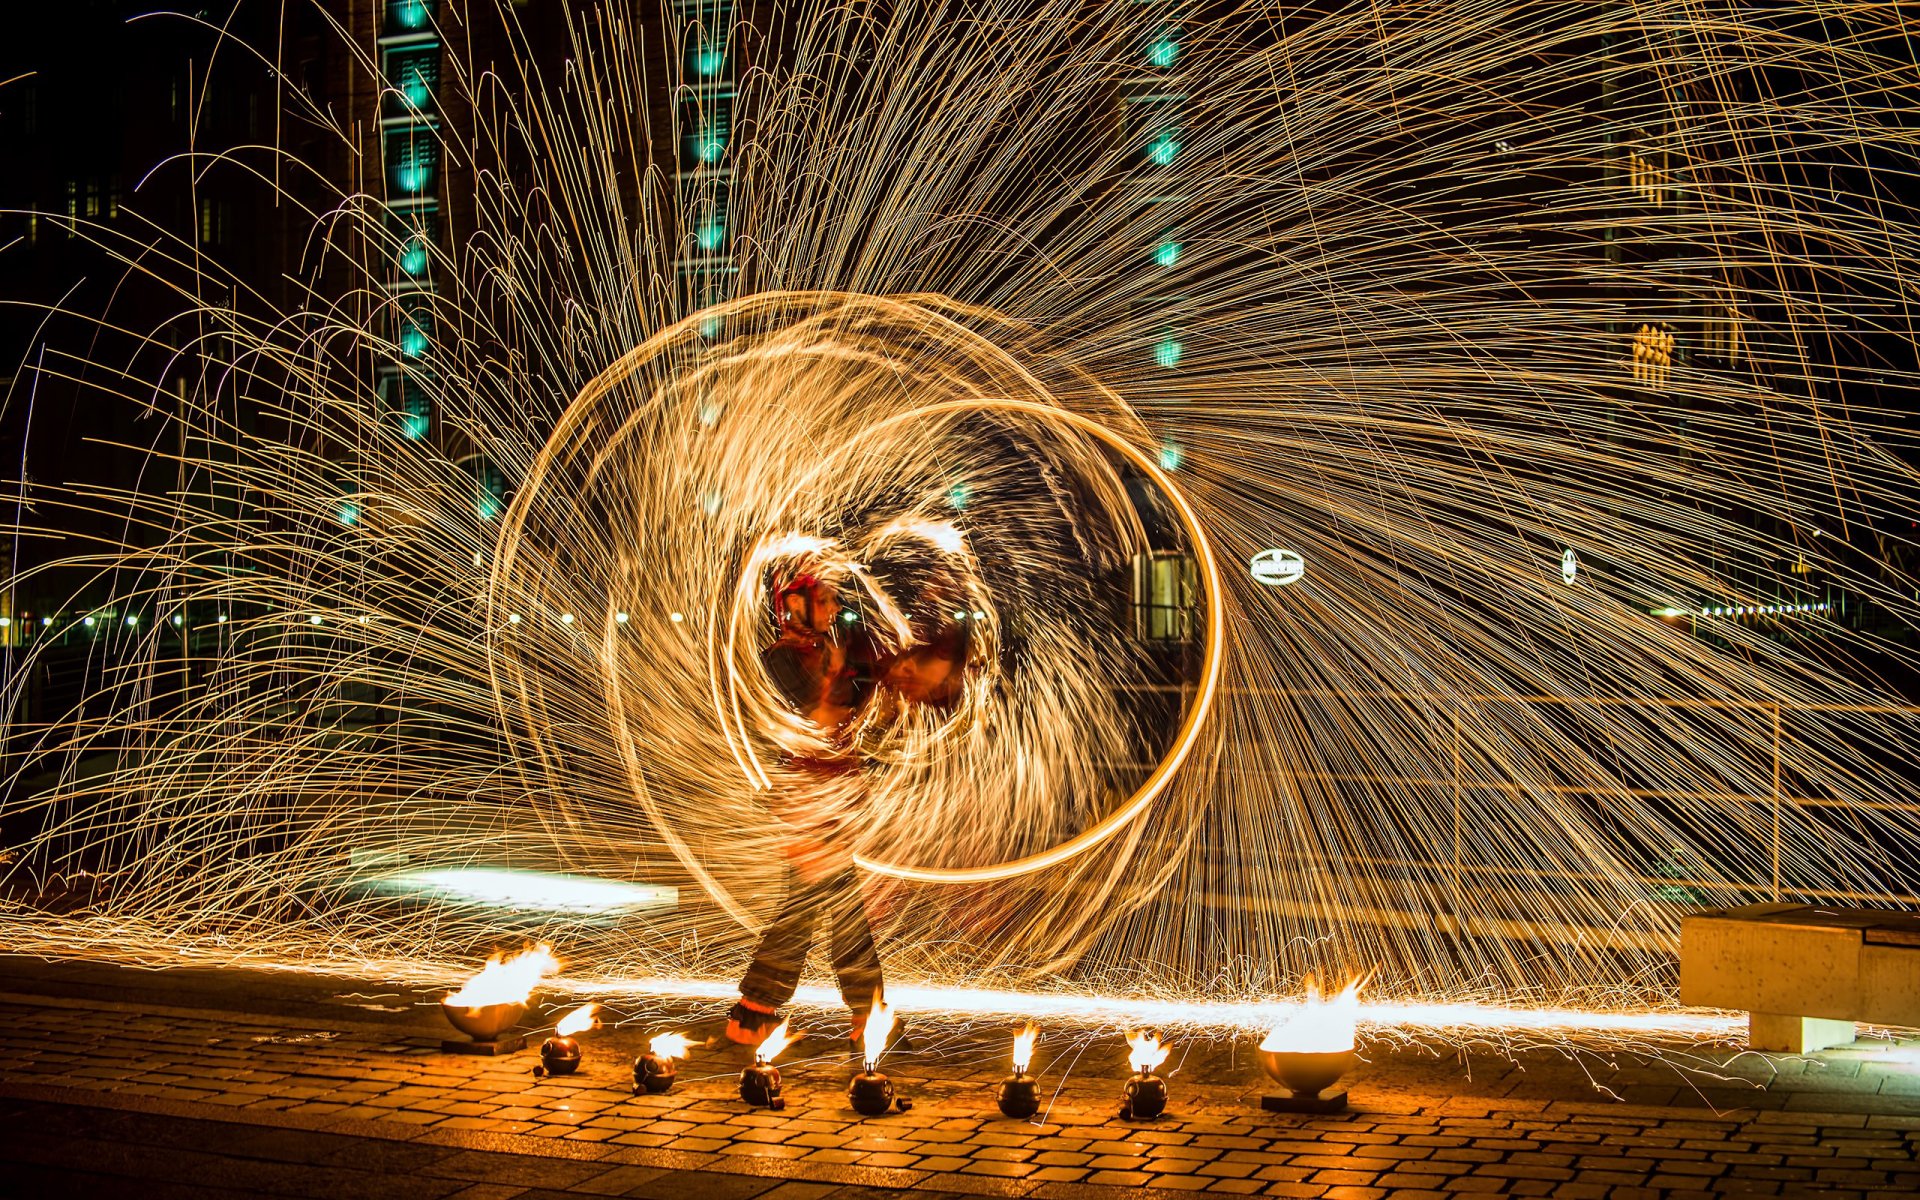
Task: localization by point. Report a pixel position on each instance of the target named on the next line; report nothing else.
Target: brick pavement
(106, 1096)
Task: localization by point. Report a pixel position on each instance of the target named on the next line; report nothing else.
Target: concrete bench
(1803, 973)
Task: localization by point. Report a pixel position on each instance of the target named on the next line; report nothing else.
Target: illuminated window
(414, 75)
(489, 486)
(1644, 177)
(1167, 351)
(415, 333)
(1163, 148)
(1163, 50)
(1650, 355)
(1166, 592)
(213, 220)
(408, 16)
(407, 400)
(1166, 253)
(413, 154)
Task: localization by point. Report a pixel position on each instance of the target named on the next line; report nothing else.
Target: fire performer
(827, 669)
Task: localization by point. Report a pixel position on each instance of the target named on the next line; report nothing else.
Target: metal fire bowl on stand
(487, 1025)
(1305, 1075)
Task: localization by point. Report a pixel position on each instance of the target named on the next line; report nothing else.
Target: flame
(873, 1040)
(1148, 1051)
(775, 1042)
(506, 980)
(1023, 1047)
(1320, 1026)
(578, 1021)
(670, 1045)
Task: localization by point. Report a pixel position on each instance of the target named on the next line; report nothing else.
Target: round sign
(1276, 567)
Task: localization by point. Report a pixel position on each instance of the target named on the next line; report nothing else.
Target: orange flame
(775, 1042)
(1321, 1026)
(670, 1045)
(873, 1040)
(578, 1021)
(1023, 1047)
(1148, 1051)
(506, 980)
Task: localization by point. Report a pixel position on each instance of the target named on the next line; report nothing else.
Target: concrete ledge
(1804, 974)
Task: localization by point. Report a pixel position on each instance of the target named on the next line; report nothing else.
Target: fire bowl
(1306, 1073)
(485, 1023)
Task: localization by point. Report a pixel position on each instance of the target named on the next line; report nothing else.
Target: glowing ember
(873, 1040)
(1320, 1026)
(578, 1021)
(1023, 1047)
(775, 1042)
(1147, 1050)
(670, 1045)
(506, 980)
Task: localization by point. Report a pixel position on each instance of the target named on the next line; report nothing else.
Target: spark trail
(1387, 285)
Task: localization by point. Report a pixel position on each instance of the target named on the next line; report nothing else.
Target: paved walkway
(227, 1084)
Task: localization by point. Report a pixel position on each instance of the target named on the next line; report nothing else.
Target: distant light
(978, 615)
(620, 618)
(363, 620)
(414, 426)
(513, 618)
(710, 60)
(566, 618)
(1170, 457)
(1163, 149)
(178, 621)
(712, 235)
(676, 618)
(49, 620)
(6, 622)
(349, 514)
(711, 147)
(1569, 566)
(528, 891)
(958, 495)
(1163, 51)
(1167, 352)
(413, 258)
(413, 341)
(849, 616)
(222, 618)
(133, 621)
(959, 616)
(89, 622)
(314, 619)
(1668, 612)
(410, 14)
(712, 327)
(1166, 253)
(479, 559)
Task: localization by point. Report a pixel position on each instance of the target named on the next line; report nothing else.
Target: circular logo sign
(1276, 567)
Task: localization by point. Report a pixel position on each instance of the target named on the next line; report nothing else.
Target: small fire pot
(653, 1074)
(1145, 1097)
(1019, 1095)
(870, 1093)
(560, 1055)
(760, 1086)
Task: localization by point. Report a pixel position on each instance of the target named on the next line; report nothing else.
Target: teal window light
(1163, 148)
(413, 256)
(1163, 51)
(1170, 456)
(1166, 352)
(1167, 253)
(409, 15)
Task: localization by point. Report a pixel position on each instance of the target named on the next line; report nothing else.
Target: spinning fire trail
(1516, 323)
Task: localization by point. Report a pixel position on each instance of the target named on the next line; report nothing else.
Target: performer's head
(807, 602)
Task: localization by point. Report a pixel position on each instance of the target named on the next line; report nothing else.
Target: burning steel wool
(1570, 399)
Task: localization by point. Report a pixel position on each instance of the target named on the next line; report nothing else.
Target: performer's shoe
(748, 1023)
